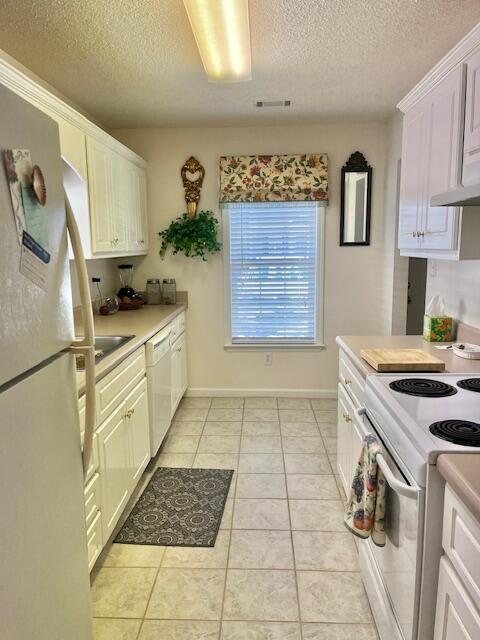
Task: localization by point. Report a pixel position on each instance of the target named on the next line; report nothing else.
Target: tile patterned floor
(283, 567)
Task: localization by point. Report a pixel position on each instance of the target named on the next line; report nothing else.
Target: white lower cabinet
(114, 468)
(458, 603)
(138, 431)
(93, 518)
(344, 439)
(124, 443)
(351, 396)
(121, 444)
(94, 540)
(456, 616)
(179, 370)
(349, 440)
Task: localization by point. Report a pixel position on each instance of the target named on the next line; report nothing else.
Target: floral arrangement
(195, 237)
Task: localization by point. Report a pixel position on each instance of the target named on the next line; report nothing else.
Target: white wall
(354, 287)
(104, 269)
(395, 267)
(459, 284)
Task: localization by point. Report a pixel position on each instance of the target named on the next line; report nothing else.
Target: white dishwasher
(159, 381)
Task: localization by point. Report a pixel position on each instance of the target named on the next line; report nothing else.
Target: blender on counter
(129, 299)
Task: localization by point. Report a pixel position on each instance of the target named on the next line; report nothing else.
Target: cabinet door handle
(347, 417)
(414, 234)
(421, 234)
(348, 381)
(129, 413)
(179, 348)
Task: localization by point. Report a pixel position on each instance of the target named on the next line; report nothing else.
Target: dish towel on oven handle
(365, 508)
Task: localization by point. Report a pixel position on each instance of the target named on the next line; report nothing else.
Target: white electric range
(417, 417)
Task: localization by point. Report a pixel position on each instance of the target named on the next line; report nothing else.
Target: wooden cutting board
(391, 360)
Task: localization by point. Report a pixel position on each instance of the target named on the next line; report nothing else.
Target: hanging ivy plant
(195, 237)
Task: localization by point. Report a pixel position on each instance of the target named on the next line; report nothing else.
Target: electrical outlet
(268, 359)
(433, 268)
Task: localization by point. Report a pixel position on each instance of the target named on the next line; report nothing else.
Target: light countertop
(353, 344)
(142, 323)
(462, 473)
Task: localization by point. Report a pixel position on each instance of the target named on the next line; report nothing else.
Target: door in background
(417, 282)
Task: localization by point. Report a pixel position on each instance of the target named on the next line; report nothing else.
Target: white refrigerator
(44, 580)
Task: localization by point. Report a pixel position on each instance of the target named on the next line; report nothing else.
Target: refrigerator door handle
(87, 345)
(90, 422)
(82, 276)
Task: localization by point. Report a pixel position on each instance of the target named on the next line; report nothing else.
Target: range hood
(463, 196)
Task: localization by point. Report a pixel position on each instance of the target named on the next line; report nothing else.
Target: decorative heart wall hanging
(192, 177)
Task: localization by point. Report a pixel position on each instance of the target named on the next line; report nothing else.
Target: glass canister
(154, 291)
(169, 291)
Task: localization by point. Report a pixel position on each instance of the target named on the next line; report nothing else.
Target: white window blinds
(273, 272)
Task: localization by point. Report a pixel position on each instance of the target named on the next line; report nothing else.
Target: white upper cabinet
(412, 198)
(117, 197)
(104, 180)
(130, 196)
(138, 221)
(121, 197)
(471, 141)
(100, 190)
(73, 147)
(431, 164)
(434, 154)
(443, 160)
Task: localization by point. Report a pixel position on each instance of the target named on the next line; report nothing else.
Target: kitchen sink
(104, 346)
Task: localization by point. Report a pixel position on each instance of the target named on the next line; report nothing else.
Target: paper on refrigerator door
(34, 261)
(30, 218)
(29, 215)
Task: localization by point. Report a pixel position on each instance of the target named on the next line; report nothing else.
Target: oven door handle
(402, 488)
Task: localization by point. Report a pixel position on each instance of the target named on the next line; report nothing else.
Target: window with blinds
(273, 272)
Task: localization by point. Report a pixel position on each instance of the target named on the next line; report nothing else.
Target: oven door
(394, 571)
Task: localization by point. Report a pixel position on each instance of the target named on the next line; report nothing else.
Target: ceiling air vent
(273, 103)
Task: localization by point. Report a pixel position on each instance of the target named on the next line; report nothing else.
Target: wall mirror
(356, 196)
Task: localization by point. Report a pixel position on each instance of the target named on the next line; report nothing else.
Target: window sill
(274, 347)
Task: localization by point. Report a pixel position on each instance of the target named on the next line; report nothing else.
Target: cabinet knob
(414, 233)
(142, 241)
(420, 234)
(179, 348)
(348, 381)
(347, 417)
(129, 413)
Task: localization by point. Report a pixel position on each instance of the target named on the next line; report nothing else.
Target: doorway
(417, 282)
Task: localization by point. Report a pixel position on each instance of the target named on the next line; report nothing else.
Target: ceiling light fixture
(222, 32)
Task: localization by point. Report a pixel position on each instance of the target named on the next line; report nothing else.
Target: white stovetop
(404, 420)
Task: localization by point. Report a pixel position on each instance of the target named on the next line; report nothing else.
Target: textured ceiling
(134, 62)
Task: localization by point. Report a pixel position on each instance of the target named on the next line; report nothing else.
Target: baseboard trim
(198, 392)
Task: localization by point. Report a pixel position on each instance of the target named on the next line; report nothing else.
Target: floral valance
(274, 178)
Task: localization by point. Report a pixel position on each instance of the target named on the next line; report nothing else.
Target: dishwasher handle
(157, 347)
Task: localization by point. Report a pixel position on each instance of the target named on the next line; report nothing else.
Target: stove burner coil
(423, 387)
(470, 384)
(457, 431)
